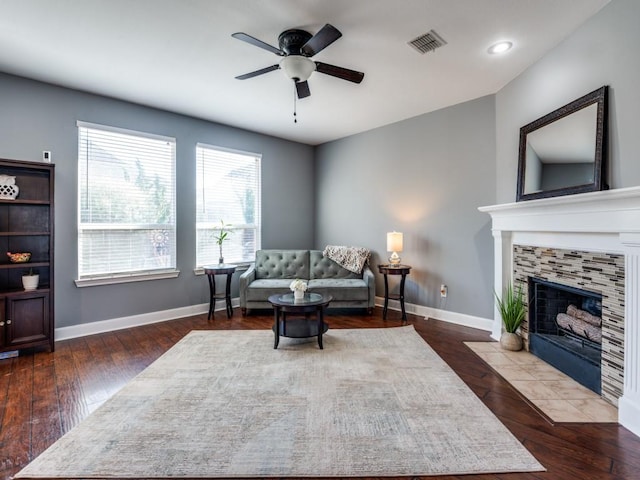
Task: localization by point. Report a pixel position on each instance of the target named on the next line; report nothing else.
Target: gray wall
(36, 117)
(603, 51)
(425, 177)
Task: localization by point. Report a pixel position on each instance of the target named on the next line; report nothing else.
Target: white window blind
(227, 189)
(126, 189)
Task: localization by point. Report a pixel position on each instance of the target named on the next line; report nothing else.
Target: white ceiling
(179, 55)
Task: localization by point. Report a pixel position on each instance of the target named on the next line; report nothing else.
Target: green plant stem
(512, 308)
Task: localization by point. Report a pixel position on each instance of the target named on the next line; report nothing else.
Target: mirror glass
(563, 152)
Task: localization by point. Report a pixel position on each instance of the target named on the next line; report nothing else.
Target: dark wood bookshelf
(26, 225)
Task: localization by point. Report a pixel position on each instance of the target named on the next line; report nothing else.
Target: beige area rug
(374, 402)
(555, 394)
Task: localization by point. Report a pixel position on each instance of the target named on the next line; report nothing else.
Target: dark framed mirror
(565, 151)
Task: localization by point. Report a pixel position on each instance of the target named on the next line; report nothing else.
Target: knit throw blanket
(351, 258)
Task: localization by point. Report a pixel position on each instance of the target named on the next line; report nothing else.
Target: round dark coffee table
(286, 304)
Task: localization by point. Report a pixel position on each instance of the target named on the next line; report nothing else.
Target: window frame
(135, 275)
(256, 226)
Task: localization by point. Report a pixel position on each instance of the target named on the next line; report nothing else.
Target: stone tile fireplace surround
(595, 225)
(599, 272)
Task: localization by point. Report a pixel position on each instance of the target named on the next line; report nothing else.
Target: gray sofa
(274, 270)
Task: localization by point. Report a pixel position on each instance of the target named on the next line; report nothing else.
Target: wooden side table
(394, 270)
(221, 269)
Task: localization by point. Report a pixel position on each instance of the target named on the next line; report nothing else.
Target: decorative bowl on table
(22, 257)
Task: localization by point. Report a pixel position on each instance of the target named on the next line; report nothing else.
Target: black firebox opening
(573, 347)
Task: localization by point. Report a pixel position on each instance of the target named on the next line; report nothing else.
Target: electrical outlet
(443, 290)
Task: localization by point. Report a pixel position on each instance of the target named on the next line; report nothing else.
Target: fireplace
(589, 241)
(565, 330)
(582, 277)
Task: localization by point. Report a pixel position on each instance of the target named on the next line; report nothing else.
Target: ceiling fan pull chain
(295, 98)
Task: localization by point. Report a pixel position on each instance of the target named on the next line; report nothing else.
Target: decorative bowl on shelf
(19, 257)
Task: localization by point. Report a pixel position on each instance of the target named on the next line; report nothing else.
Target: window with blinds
(126, 190)
(227, 190)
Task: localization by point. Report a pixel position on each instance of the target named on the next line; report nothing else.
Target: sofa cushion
(324, 267)
(260, 290)
(273, 264)
(342, 289)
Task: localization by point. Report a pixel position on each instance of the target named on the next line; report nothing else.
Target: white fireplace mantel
(606, 221)
(608, 211)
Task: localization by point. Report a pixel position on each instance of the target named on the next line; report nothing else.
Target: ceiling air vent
(427, 42)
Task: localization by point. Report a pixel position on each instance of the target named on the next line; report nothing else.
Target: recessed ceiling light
(500, 47)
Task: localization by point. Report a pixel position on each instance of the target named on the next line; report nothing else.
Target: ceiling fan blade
(343, 73)
(303, 89)
(321, 40)
(258, 43)
(258, 72)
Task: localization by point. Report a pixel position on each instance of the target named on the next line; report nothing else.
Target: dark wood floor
(43, 395)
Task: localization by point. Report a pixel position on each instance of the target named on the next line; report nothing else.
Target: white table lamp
(394, 245)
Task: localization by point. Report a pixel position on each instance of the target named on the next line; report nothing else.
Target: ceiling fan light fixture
(297, 67)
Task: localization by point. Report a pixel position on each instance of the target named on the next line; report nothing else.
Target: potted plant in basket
(30, 280)
(223, 234)
(512, 310)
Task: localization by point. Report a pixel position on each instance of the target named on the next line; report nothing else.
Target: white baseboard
(74, 331)
(629, 414)
(444, 315)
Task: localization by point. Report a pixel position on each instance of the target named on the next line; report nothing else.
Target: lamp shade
(297, 67)
(394, 242)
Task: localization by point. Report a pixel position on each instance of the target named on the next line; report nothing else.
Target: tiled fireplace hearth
(589, 241)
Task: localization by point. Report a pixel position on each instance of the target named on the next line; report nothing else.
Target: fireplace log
(579, 327)
(583, 315)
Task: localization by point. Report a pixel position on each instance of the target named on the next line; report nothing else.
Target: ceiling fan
(297, 47)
